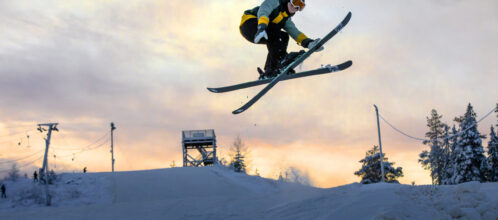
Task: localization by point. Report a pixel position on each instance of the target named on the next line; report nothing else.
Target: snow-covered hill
(216, 193)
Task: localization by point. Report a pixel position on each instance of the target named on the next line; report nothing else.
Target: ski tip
(349, 15)
(344, 65)
(212, 90)
(347, 64)
(238, 111)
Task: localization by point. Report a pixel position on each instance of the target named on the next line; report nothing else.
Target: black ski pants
(277, 42)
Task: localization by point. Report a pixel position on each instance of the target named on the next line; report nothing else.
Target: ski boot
(267, 74)
(291, 57)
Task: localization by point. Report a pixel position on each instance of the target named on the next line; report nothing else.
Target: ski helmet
(298, 4)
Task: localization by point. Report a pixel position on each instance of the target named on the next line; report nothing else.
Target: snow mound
(471, 200)
(468, 200)
(217, 193)
(68, 189)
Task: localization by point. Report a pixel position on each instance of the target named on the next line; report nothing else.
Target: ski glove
(261, 33)
(308, 43)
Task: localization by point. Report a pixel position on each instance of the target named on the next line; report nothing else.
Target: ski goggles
(298, 4)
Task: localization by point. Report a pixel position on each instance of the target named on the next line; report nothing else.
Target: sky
(145, 66)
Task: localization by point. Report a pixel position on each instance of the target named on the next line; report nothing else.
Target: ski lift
(27, 137)
(41, 129)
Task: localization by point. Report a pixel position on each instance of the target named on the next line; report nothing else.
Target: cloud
(146, 66)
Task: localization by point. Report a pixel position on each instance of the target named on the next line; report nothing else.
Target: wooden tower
(199, 148)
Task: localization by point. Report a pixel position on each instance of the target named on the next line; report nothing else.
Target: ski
(299, 60)
(323, 70)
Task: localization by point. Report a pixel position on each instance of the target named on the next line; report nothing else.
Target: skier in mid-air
(263, 24)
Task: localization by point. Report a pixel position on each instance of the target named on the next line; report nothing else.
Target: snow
(68, 190)
(218, 193)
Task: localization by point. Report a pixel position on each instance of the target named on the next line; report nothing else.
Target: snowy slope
(68, 190)
(216, 193)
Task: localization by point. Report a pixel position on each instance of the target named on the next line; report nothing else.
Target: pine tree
(446, 153)
(239, 153)
(493, 156)
(435, 159)
(370, 171)
(469, 162)
(450, 169)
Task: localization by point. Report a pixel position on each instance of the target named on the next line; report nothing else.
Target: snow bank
(217, 193)
(468, 200)
(67, 190)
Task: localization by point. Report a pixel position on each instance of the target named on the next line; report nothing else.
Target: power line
(98, 143)
(10, 161)
(403, 133)
(63, 135)
(77, 148)
(24, 165)
(422, 139)
(83, 150)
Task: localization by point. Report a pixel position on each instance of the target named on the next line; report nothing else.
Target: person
(84, 170)
(263, 25)
(3, 191)
(35, 177)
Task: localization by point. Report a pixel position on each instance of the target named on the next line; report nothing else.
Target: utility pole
(44, 170)
(380, 145)
(112, 144)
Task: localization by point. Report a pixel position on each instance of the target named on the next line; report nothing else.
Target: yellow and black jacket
(275, 12)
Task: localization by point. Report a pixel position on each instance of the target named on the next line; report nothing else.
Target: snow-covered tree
(13, 173)
(295, 175)
(448, 146)
(223, 162)
(425, 161)
(370, 171)
(52, 177)
(238, 152)
(493, 156)
(468, 160)
(450, 169)
(435, 160)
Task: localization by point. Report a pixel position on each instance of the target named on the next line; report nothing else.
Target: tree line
(456, 154)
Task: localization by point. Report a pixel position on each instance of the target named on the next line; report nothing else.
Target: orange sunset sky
(145, 66)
